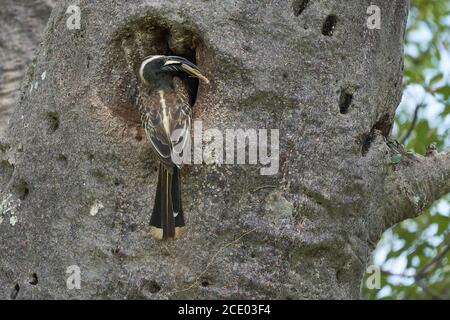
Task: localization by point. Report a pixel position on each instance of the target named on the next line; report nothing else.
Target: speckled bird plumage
(165, 110)
(163, 113)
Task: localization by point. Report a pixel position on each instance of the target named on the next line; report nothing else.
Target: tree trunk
(79, 174)
(22, 23)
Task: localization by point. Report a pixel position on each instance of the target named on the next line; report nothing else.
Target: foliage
(414, 256)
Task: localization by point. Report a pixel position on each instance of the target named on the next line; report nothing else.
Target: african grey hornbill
(166, 117)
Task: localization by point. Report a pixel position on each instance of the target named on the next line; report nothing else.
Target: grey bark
(22, 22)
(81, 175)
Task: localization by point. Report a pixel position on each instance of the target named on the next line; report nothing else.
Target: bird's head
(155, 68)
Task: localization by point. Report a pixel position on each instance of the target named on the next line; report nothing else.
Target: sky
(415, 94)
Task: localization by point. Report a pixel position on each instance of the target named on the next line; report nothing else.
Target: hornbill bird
(166, 117)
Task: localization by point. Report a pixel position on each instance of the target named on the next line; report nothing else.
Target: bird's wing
(152, 121)
(166, 118)
(180, 116)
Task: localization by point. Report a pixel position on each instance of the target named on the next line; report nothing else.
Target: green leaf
(438, 77)
(444, 91)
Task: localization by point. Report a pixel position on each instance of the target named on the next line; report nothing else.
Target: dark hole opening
(154, 287)
(22, 189)
(34, 279)
(190, 54)
(367, 140)
(345, 101)
(329, 25)
(384, 125)
(52, 121)
(15, 292)
(205, 283)
(299, 6)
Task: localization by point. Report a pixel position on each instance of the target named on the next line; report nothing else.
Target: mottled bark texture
(22, 22)
(83, 175)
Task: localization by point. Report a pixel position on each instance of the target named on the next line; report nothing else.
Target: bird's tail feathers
(167, 220)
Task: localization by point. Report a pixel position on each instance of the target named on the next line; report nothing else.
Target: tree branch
(417, 182)
(430, 265)
(413, 124)
(419, 277)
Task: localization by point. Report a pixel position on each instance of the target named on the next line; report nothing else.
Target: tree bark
(22, 24)
(78, 170)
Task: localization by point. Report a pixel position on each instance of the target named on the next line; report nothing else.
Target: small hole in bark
(205, 283)
(15, 292)
(52, 121)
(345, 101)
(153, 286)
(22, 189)
(338, 275)
(285, 75)
(62, 159)
(329, 25)
(366, 143)
(299, 6)
(34, 279)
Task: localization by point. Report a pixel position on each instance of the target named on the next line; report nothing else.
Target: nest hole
(140, 39)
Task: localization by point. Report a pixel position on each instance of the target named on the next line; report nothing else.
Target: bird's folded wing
(176, 104)
(180, 117)
(152, 121)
